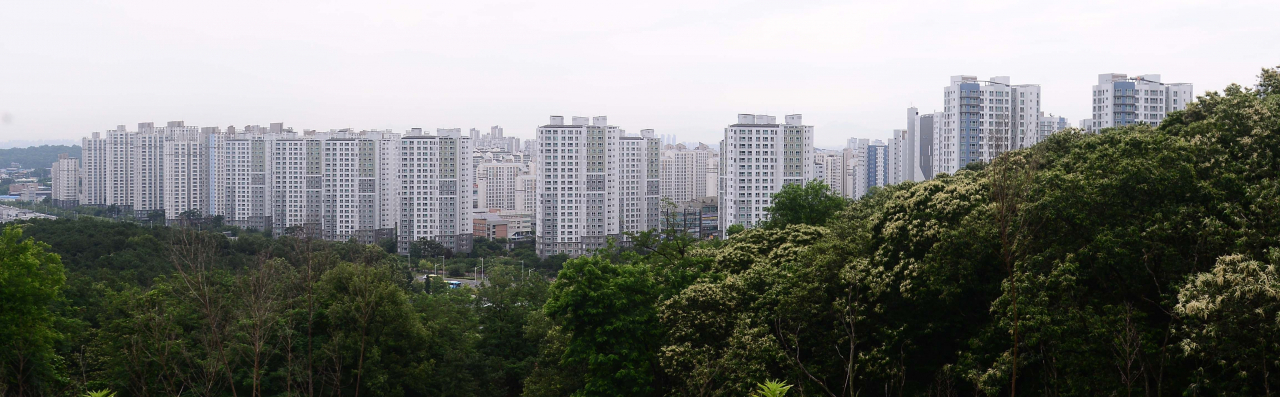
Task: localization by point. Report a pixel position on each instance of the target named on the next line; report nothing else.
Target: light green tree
(772, 388)
(1230, 316)
(31, 282)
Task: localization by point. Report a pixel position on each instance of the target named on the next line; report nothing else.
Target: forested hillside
(1138, 261)
(37, 157)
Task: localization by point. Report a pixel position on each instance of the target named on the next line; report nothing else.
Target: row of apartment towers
(581, 182)
(336, 185)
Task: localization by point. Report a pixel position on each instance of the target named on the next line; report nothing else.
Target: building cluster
(337, 185)
(10, 214)
(981, 119)
(578, 186)
(24, 184)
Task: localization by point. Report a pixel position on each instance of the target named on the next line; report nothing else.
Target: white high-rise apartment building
(435, 189)
(1087, 126)
(527, 192)
(494, 139)
(1120, 100)
(93, 170)
(107, 169)
(638, 181)
(350, 199)
(833, 169)
(496, 184)
(870, 165)
(186, 160)
(291, 193)
(897, 165)
(917, 147)
(146, 154)
(711, 171)
(927, 127)
(684, 173)
(246, 183)
(982, 119)
(388, 180)
(336, 185)
(757, 157)
(907, 156)
(594, 183)
(66, 181)
(1047, 125)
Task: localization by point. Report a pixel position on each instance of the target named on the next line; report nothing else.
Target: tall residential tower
(757, 157)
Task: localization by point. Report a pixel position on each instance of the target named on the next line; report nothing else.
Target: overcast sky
(684, 67)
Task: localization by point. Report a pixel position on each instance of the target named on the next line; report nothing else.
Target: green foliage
(1231, 324)
(31, 282)
(428, 248)
(608, 309)
(37, 156)
(812, 203)
(1136, 261)
(156, 311)
(373, 331)
(100, 393)
(772, 388)
(734, 229)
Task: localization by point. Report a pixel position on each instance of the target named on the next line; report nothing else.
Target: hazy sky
(68, 68)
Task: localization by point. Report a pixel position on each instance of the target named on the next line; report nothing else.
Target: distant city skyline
(679, 68)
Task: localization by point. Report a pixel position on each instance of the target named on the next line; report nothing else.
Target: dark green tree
(155, 217)
(31, 282)
(504, 308)
(428, 248)
(812, 203)
(608, 311)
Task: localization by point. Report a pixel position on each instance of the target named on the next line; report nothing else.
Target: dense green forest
(1137, 261)
(38, 157)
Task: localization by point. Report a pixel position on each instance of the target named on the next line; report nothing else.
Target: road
(464, 281)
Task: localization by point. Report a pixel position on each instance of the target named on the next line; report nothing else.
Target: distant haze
(42, 142)
(679, 67)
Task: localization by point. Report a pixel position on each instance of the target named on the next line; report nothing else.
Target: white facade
(496, 184)
(186, 173)
(494, 139)
(291, 191)
(336, 185)
(897, 167)
(757, 157)
(637, 181)
(435, 176)
(107, 169)
(66, 181)
(684, 173)
(982, 119)
(1119, 100)
(917, 147)
(246, 191)
(350, 201)
(526, 192)
(146, 155)
(870, 165)
(833, 169)
(594, 183)
(1047, 125)
(711, 172)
